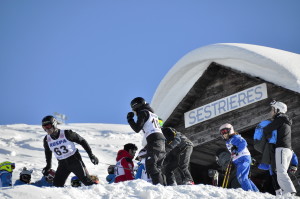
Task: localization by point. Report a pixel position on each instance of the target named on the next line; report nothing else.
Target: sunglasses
(225, 131)
(13, 166)
(47, 126)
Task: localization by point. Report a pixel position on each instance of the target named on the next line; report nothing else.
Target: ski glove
(130, 116)
(292, 169)
(94, 159)
(46, 170)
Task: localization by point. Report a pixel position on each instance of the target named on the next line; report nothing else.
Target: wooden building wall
(218, 82)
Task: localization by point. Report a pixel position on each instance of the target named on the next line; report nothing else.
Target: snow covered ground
(23, 145)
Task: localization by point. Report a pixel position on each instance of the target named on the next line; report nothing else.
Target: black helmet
(169, 133)
(49, 120)
(137, 103)
(111, 169)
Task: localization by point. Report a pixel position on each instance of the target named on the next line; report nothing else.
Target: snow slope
(258, 61)
(22, 144)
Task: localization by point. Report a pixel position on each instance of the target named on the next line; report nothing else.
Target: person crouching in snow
(124, 167)
(46, 180)
(141, 172)
(240, 156)
(6, 170)
(25, 177)
(110, 178)
(179, 150)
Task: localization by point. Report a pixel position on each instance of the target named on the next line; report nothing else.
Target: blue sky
(89, 59)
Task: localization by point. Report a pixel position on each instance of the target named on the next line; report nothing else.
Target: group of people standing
(277, 136)
(165, 150)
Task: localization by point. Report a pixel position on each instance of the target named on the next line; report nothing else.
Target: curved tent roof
(277, 66)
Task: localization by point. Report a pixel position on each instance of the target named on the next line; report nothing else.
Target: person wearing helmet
(25, 177)
(179, 150)
(141, 172)
(62, 144)
(124, 166)
(240, 156)
(110, 178)
(6, 169)
(148, 122)
(46, 180)
(75, 182)
(283, 146)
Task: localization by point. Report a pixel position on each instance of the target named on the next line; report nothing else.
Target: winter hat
(111, 169)
(169, 133)
(26, 172)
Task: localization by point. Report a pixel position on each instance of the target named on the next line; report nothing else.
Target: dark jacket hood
(285, 118)
(123, 154)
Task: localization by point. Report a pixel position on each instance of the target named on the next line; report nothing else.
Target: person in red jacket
(124, 166)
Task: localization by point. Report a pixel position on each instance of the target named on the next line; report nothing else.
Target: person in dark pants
(61, 143)
(148, 122)
(179, 150)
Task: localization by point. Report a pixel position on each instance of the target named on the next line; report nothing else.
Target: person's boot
(157, 179)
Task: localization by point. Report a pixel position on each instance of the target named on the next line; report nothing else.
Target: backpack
(259, 140)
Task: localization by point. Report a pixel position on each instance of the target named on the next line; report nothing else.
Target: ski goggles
(50, 177)
(75, 183)
(225, 131)
(47, 126)
(25, 178)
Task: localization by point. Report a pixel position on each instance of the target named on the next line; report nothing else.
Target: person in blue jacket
(6, 169)
(46, 180)
(110, 178)
(141, 172)
(240, 156)
(25, 177)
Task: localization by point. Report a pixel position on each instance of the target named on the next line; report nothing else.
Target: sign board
(225, 105)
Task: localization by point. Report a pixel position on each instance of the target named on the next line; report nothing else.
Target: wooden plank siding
(217, 82)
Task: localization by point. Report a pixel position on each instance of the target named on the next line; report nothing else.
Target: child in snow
(75, 182)
(110, 178)
(124, 166)
(25, 177)
(6, 169)
(141, 172)
(240, 156)
(46, 180)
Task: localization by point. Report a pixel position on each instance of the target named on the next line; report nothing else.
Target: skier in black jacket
(179, 150)
(283, 146)
(61, 142)
(148, 122)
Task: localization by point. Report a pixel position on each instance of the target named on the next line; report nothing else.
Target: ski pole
(228, 176)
